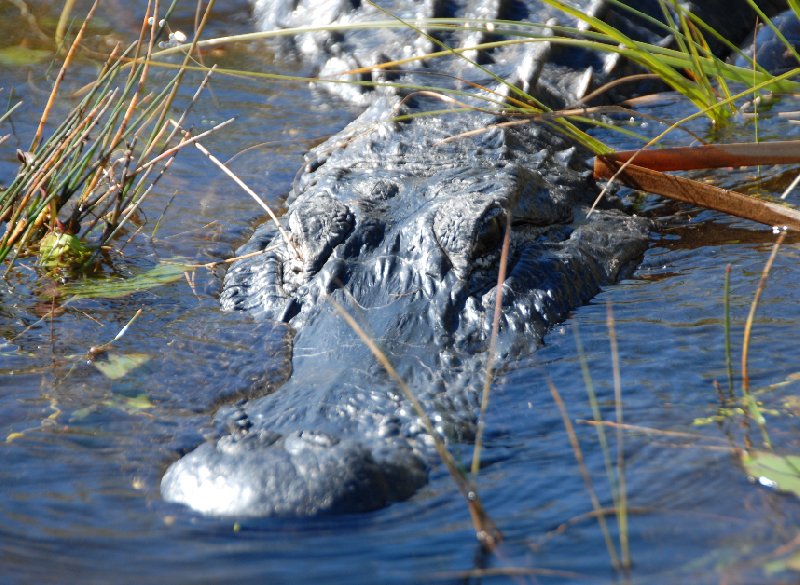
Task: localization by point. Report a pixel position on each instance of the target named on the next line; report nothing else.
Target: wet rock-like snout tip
(300, 474)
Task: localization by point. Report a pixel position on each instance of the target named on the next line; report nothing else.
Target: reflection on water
(79, 500)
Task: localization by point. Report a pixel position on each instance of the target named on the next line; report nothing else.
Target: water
(79, 499)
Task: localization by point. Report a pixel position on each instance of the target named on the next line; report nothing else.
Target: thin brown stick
(621, 81)
(490, 359)
(689, 191)
(651, 431)
(584, 471)
(134, 100)
(185, 142)
(224, 168)
(750, 401)
(182, 70)
(710, 156)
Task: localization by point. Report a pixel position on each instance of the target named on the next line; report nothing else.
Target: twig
(487, 381)
(622, 496)
(751, 405)
(185, 142)
(94, 351)
(60, 77)
(650, 430)
(689, 191)
(184, 67)
(710, 156)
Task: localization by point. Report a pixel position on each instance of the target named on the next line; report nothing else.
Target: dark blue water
(81, 455)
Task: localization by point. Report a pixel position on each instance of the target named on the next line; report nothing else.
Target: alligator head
(402, 224)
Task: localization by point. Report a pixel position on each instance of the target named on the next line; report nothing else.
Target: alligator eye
(318, 225)
(489, 236)
(470, 233)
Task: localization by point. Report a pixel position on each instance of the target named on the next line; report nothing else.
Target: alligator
(399, 220)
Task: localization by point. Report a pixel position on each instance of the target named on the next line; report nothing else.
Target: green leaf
(115, 288)
(118, 365)
(780, 472)
(20, 56)
(57, 250)
(138, 402)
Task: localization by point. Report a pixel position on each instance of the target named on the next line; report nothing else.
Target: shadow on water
(79, 499)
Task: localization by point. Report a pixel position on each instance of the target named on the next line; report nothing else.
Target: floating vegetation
(117, 365)
(770, 469)
(115, 288)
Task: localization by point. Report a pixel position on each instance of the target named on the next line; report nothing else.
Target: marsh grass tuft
(90, 175)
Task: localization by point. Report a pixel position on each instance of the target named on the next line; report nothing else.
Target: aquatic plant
(87, 179)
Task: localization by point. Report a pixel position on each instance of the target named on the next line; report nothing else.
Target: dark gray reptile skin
(402, 224)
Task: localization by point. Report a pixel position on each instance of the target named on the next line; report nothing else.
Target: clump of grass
(85, 180)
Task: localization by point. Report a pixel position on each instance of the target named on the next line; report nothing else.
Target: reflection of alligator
(402, 223)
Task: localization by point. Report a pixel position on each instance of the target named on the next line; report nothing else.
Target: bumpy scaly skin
(402, 223)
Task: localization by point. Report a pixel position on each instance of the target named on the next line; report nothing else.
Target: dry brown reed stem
(60, 77)
(485, 529)
(12, 225)
(652, 431)
(135, 205)
(696, 193)
(177, 127)
(47, 168)
(711, 156)
(587, 478)
(490, 359)
(606, 87)
(134, 100)
(50, 165)
(622, 496)
(722, 102)
(748, 328)
(185, 142)
(168, 154)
